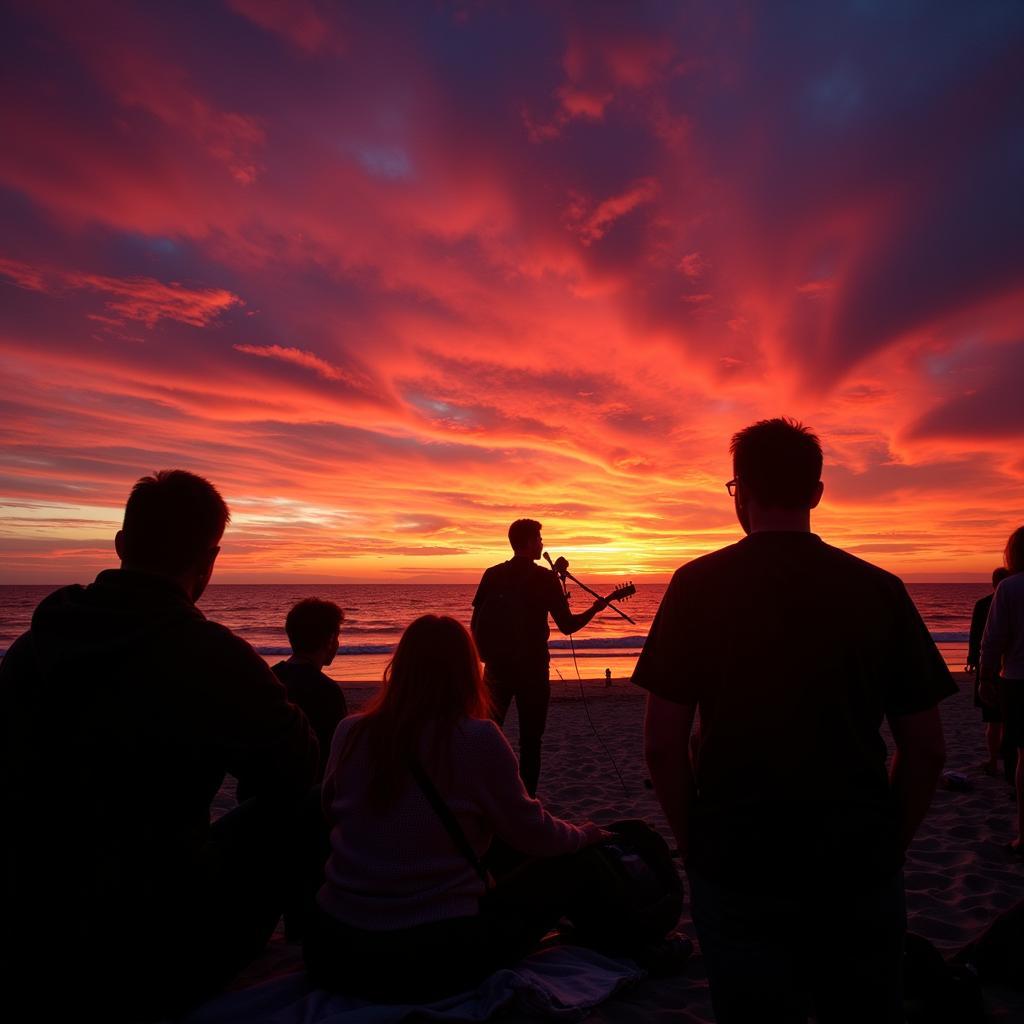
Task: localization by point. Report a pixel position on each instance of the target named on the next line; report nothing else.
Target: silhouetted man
(794, 835)
(990, 714)
(510, 626)
(122, 709)
(314, 628)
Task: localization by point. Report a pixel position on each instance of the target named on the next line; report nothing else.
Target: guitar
(621, 593)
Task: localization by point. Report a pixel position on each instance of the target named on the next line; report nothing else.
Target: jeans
(529, 685)
(774, 952)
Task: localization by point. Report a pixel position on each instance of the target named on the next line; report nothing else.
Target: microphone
(559, 565)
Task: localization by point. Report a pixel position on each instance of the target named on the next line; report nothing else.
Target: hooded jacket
(121, 711)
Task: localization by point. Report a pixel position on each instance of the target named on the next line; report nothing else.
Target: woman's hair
(1014, 553)
(432, 682)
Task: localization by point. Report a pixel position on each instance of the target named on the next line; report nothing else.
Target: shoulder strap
(447, 818)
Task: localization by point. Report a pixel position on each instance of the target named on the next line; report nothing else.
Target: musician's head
(525, 537)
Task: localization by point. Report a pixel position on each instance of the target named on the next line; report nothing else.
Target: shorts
(1011, 700)
(988, 712)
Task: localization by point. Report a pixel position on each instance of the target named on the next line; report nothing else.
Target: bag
(635, 893)
(935, 992)
(997, 955)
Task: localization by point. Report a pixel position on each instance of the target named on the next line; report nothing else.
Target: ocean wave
(592, 643)
(596, 643)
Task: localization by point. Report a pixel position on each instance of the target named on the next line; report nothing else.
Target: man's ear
(819, 490)
(119, 544)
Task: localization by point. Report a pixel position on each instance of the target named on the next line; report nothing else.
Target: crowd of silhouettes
(405, 844)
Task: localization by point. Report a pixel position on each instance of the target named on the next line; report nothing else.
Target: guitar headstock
(622, 593)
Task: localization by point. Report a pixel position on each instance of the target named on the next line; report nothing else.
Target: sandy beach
(958, 875)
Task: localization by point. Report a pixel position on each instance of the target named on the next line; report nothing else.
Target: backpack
(936, 992)
(997, 955)
(636, 894)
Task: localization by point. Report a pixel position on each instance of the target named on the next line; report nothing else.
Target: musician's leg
(532, 698)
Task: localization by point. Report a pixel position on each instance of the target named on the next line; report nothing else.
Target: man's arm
(564, 619)
(667, 728)
(916, 765)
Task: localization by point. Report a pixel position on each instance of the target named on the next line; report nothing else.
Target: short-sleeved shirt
(793, 651)
(524, 594)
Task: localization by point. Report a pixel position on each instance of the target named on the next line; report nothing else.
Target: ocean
(376, 614)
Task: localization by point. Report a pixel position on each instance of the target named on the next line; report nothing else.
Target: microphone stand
(561, 570)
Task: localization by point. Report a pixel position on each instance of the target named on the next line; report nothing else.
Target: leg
(532, 698)
(993, 741)
(854, 951)
(1019, 778)
(749, 943)
(501, 685)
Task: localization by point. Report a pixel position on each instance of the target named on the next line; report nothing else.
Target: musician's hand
(600, 604)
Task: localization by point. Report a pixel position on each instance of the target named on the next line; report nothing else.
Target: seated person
(313, 627)
(403, 913)
(122, 709)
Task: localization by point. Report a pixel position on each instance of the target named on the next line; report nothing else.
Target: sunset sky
(392, 275)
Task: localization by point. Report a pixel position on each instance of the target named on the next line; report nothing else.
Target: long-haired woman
(400, 915)
(1002, 654)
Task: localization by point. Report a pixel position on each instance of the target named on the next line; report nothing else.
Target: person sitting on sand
(313, 627)
(793, 835)
(990, 714)
(123, 707)
(1002, 654)
(402, 915)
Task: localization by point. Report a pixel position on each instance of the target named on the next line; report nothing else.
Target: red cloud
(142, 299)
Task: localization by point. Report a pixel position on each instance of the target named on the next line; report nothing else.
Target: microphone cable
(590, 719)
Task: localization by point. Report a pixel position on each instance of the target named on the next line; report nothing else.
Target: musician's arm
(565, 620)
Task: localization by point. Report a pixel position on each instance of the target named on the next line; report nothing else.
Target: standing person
(510, 627)
(1002, 654)
(990, 714)
(122, 709)
(793, 834)
(314, 630)
(401, 915)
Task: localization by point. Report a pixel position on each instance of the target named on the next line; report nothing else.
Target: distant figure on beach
(416, 789)
(990, 714)
(122, 709)
(793, 834)
(314, 628)
(510, 627)
(1002, 656)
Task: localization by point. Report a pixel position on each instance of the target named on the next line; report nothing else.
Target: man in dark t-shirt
(792, 831)
(510, 627)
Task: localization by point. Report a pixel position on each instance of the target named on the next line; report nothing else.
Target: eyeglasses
(731, 486)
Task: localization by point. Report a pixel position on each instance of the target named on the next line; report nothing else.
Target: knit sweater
(397, 867)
